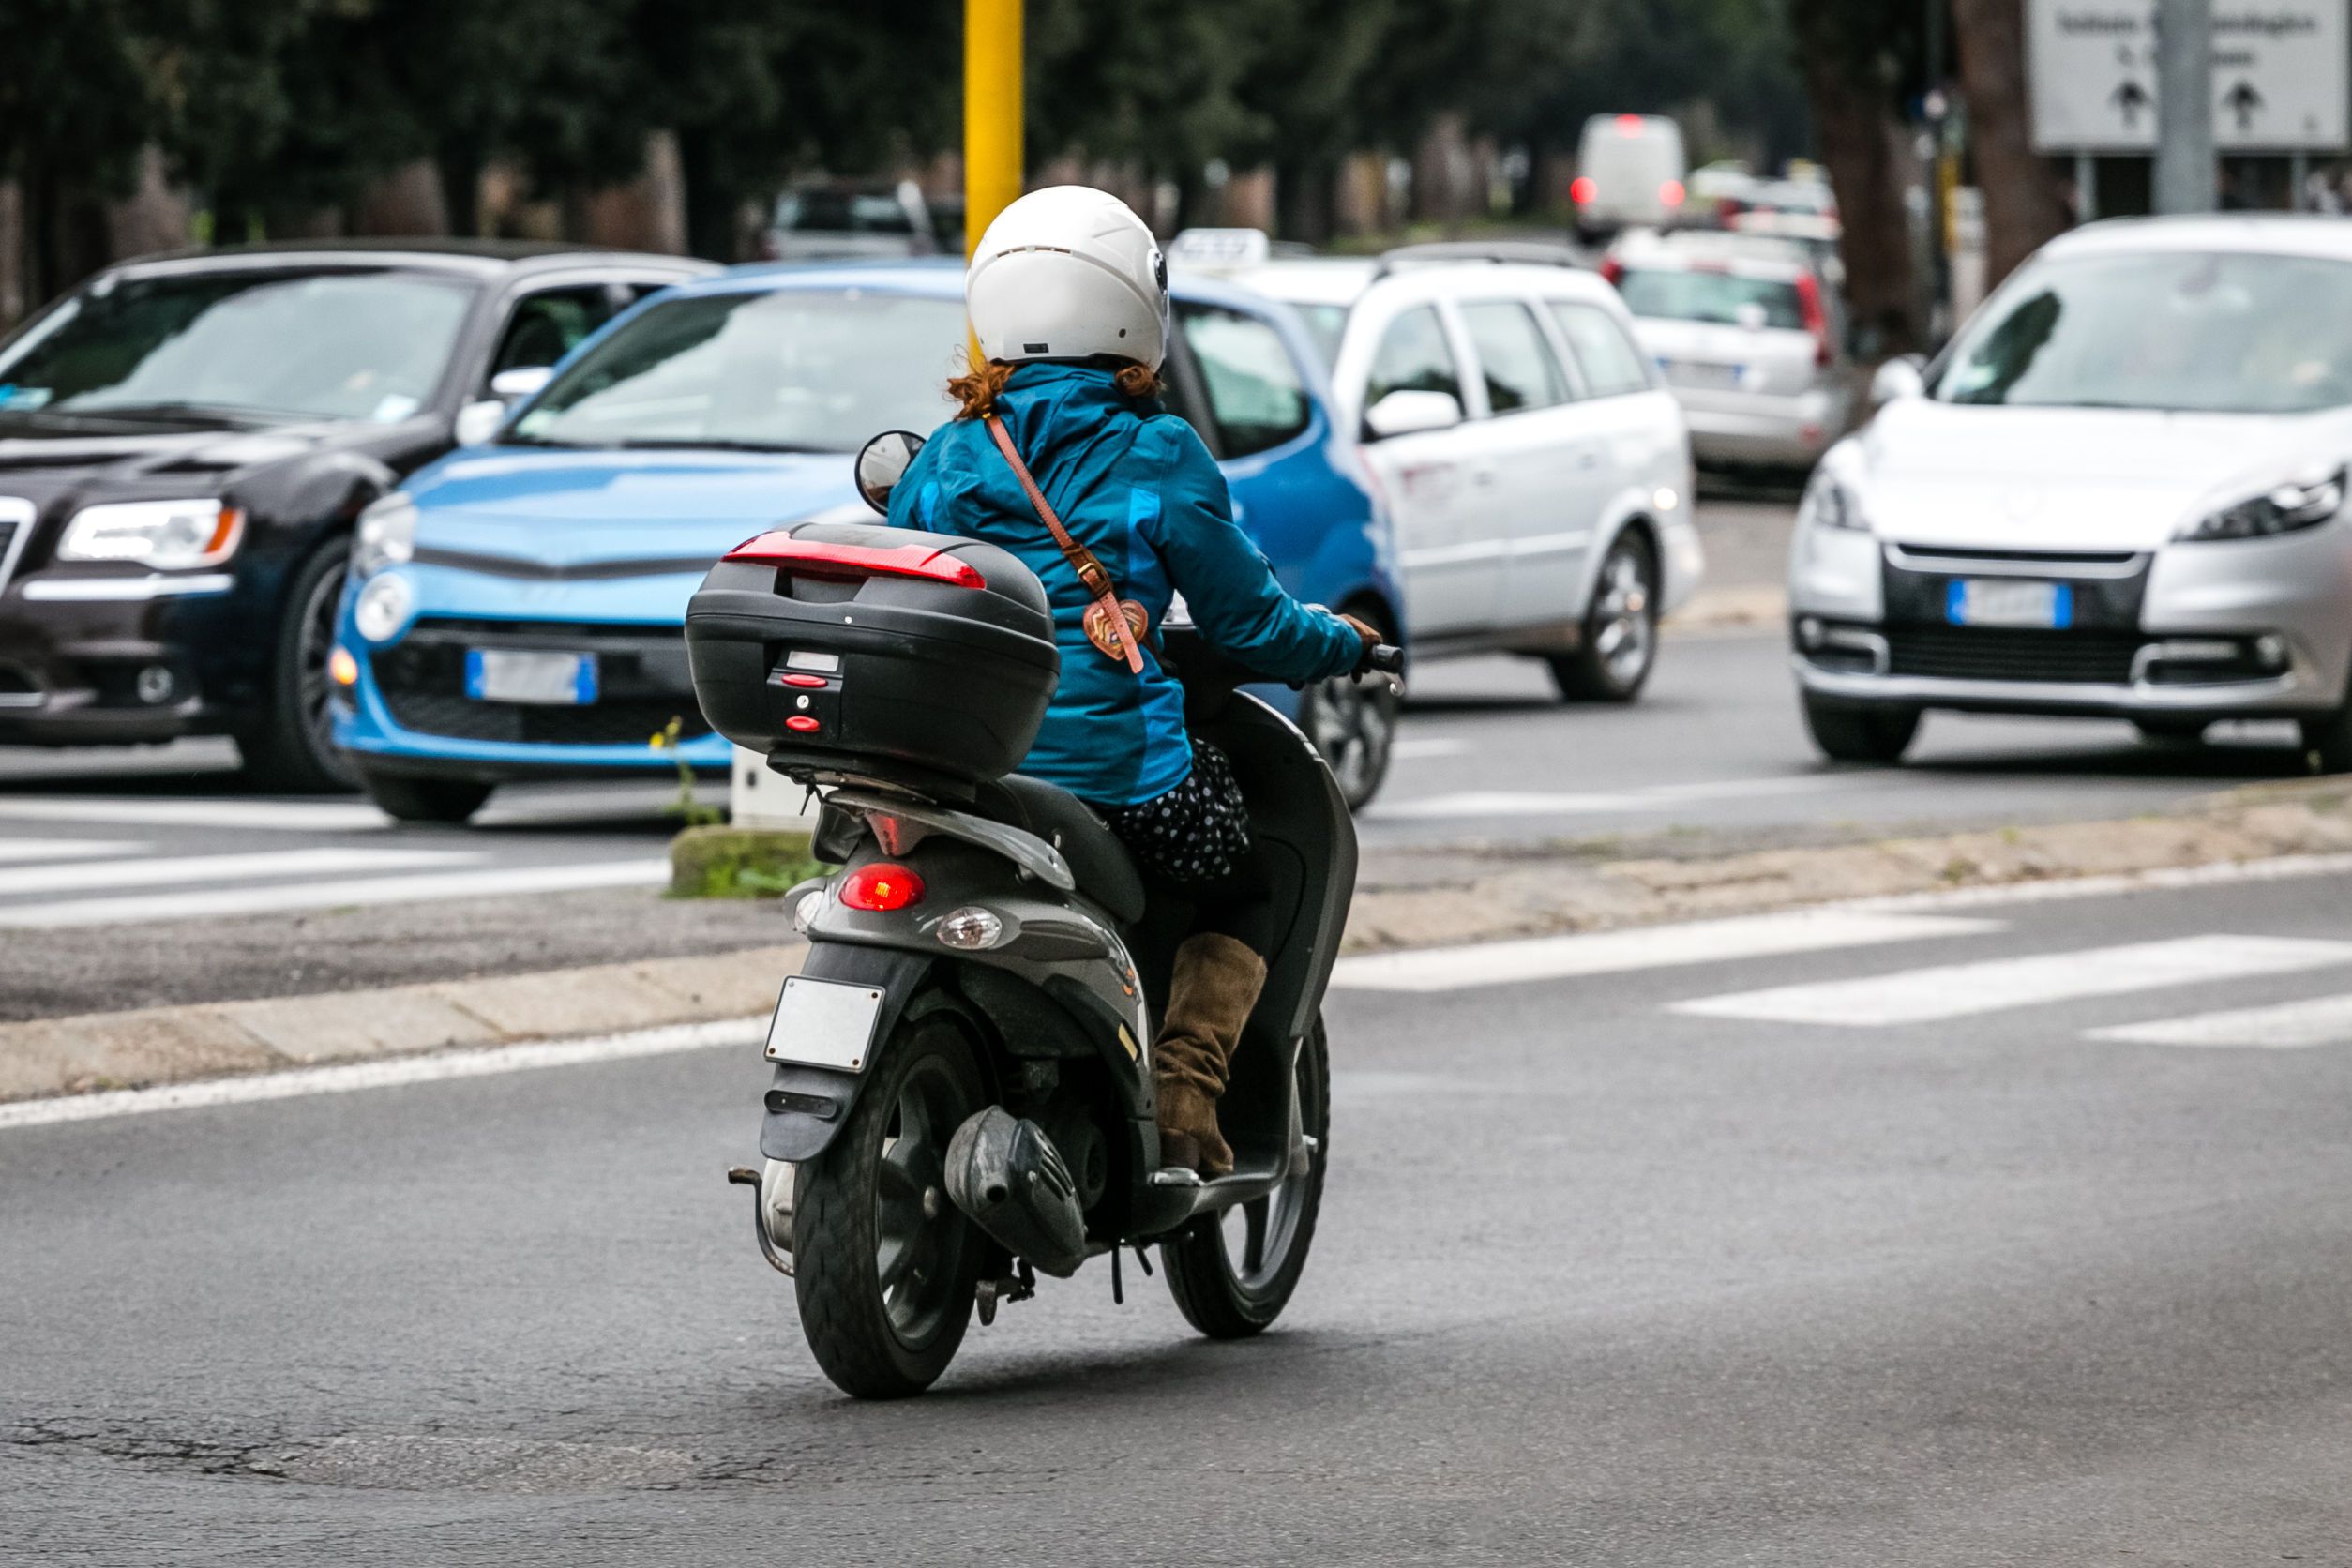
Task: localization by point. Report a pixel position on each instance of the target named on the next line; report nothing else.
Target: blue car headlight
(383, 607)
(2300, 503)
(386, 536)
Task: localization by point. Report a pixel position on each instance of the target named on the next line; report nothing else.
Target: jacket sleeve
(1227, 586)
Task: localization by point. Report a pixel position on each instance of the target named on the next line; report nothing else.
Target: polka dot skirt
(1198, 832)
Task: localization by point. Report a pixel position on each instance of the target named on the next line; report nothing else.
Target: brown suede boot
(1217, 982)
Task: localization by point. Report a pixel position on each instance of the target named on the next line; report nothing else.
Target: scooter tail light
(851, 563)
(880, 888)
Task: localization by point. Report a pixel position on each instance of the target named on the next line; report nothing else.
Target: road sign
(2282, 75)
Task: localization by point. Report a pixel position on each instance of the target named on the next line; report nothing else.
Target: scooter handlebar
(1381, 658)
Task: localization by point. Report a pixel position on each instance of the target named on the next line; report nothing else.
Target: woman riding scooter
(1062, 454)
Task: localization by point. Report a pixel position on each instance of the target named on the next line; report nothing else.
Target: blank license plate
(512, 675)
(824, 1023)
(2049, 606)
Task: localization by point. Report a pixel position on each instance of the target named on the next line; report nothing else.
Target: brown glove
(1365, 629)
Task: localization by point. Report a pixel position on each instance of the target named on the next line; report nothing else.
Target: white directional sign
(2282, 75)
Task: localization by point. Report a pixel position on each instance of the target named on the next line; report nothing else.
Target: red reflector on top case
(800, 722)
(812, 682)
(848, 563)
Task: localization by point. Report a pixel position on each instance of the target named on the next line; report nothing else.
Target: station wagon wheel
(1619, 646)
(292, 745)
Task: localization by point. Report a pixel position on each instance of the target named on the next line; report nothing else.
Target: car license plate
(516, 676)
(824, 1023)
(2046, 605)
(1706, 374)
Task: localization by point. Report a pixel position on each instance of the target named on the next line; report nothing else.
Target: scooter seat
(1104, 871)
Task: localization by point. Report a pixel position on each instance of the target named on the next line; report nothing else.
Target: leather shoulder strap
(1092, 573)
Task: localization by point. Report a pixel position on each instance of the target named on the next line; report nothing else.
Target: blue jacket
(1134, 485)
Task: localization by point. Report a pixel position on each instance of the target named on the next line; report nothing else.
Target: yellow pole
(992, 113)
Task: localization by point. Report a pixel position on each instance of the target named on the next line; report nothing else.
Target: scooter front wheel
(1232, 1272)
(884, 1266)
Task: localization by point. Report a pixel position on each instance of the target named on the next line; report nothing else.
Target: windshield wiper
(713, 444)
(226, 416)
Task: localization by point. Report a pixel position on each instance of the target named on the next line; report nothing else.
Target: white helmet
(1068, 273)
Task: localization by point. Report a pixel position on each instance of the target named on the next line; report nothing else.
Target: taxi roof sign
(1219, 249)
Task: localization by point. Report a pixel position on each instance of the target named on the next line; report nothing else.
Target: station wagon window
(1517, 363)
(549, 324)
(1254, 392)
(1610, 362)
(1413, 356)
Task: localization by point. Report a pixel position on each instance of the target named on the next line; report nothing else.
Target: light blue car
(515, 611)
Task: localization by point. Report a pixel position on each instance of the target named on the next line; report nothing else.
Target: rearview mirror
(1410, 412)
(1898, 378)
(883, 462)
(520, 383)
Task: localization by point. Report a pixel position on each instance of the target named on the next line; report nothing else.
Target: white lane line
(1959, 990)
(337, 895)
(392, 1073)
(2219, 874)
(66, 849)
(293, 816)
(1415, 747)
(2325, 1020)
(1753, 936)
(222, 867)
(1650, 798)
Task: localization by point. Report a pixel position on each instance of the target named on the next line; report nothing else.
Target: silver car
(1751, 342)
(2121, 492)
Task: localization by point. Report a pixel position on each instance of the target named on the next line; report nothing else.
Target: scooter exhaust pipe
(1004, 1173)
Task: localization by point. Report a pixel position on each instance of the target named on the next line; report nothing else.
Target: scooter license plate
(824, 1023)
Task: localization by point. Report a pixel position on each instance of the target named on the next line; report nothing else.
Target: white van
(1630, 170)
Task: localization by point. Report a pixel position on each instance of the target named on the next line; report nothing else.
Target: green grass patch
(738, 862)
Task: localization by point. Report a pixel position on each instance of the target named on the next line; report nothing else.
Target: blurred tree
(2025, 203)
(1863, 62)
(76, 106)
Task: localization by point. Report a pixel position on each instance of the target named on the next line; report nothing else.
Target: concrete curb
(97, 1052)
(1521, 895)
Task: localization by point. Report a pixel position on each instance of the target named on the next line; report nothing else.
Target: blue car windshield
(793, 370)
(242, 345)
(2184, 331)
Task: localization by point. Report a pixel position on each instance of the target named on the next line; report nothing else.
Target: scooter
(962, 1096)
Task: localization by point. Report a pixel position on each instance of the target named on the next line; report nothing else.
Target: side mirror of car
(1898, 378)
(1408, 413)
(512, 387)
(883, 462)
(477, 422)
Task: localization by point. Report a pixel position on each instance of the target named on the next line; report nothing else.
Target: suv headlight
(168, 536)
(386, 536)
(2302, 504)
(1827, 503)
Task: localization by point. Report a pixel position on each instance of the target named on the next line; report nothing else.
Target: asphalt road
(1841, 1256)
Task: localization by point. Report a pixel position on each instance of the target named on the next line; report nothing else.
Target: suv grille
(2005, 653)
(641, 674)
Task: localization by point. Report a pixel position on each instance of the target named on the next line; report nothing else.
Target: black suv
(186, 440)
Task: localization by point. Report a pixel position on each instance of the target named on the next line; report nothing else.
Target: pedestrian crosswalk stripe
(163, 869)
(1502, 963)
(1647, 797)
(2324, 1021)
(484, 884)
(1959, 990)
(14, 850)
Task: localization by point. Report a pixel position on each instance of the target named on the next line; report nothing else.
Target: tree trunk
(460, 164)
(2025, 200)
(1862, 148)
(1302, 191)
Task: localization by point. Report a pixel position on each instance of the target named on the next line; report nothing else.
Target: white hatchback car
(1537, 472)
(2121, 492)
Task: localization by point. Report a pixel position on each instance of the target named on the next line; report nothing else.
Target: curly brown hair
(976, 390)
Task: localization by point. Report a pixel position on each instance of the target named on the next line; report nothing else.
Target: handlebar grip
(1384, 659)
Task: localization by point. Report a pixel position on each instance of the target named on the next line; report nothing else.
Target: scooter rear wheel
(1232, 1272)
(884, 1266)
